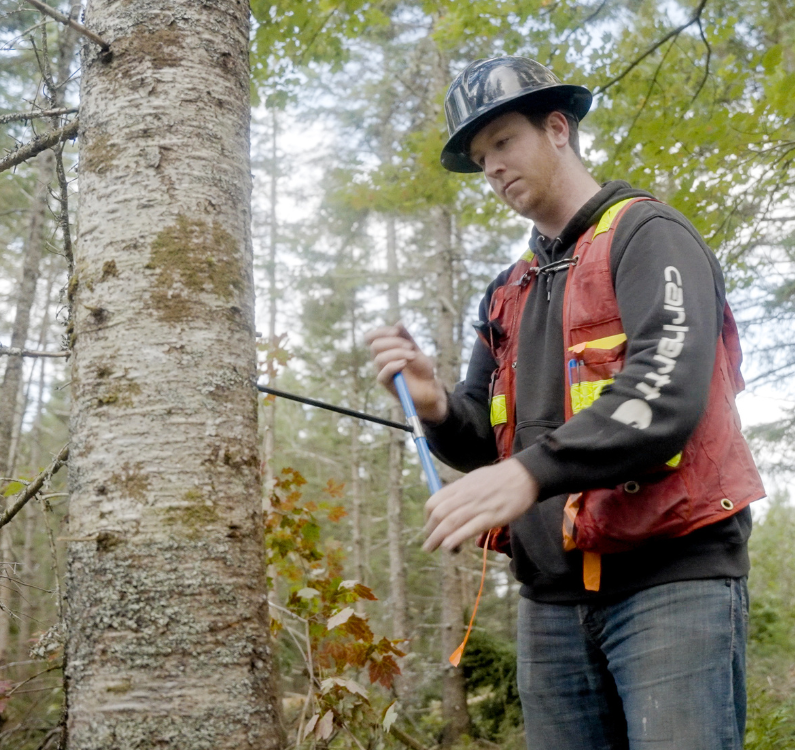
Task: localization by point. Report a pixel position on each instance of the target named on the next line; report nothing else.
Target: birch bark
(167, 637)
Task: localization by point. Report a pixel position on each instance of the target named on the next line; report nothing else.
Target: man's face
(519, 162)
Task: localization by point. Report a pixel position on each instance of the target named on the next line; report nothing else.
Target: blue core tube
(434, 485)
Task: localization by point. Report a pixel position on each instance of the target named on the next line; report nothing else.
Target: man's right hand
(393, 351)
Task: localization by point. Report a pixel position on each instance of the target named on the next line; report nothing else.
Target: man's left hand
(484, 499)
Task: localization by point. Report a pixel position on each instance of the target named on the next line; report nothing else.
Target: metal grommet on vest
(488, 88)
(631, 487)
(726, 504)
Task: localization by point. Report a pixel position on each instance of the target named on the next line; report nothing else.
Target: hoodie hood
(552, 249)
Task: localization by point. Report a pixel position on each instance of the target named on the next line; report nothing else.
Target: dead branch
(23, 116)
(39, 144)
(30, 679)
(78, 27)
(706, 62)
(8, 351)
(46, 510)
(63, 216)
(352, 735)
(18, 501)
(406, 739)
(695, 18)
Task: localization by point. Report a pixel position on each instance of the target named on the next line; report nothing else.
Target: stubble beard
(539, 197)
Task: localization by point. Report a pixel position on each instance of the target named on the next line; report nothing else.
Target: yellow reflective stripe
(608, 342)
(585, 393)
(675, 461)
(528, 256)
(609, 215)
(499, 411)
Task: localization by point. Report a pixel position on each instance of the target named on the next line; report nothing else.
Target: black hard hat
(488, 88)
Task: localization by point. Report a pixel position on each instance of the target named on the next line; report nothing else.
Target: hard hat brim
(567, 98)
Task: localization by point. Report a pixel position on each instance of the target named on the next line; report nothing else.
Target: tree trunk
(26, 297)
(29, 564)
(397, 443)
(167, 624)
(273, 341)
(28, 571)
(454, 703)
(357, 537)
(13, 377)
(357, 540)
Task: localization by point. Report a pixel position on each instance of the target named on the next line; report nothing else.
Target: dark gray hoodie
(592, 450)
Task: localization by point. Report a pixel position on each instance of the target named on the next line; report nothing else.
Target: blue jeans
(662, 669)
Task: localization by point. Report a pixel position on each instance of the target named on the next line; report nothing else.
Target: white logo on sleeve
(636, 412)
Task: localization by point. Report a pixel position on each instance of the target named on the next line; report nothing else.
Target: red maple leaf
(336, 513)
(334, 488)
(384, 670)
(358, 628)
(385, 646)
(362, 592)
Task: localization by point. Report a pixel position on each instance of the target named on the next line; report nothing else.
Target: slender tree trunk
(5, 594)
(26, 297)
(13, 377)
(397, 443)
(357, 541)
(19, 416)
(357, 538)
(167, 623)
(28, 570)
(29, 566)
(454, 703)
(273, 341)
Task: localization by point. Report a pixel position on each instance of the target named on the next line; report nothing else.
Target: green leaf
(13, 488)
(772, 59)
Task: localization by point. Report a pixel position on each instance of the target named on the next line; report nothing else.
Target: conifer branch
(39, 144)
(78, 27)
(19, 500)
(23, 116)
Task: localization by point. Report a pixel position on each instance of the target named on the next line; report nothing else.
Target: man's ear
(557, 126)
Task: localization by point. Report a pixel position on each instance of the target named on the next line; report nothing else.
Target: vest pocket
(619, 519)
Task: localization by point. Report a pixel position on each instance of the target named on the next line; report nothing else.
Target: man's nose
(493, 165)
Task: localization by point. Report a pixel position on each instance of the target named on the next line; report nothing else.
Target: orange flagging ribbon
(591, 570)
(455, 657)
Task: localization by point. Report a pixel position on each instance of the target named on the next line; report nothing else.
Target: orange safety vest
(712, 478)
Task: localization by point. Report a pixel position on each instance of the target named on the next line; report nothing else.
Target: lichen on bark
(98, 154)
(192, 259)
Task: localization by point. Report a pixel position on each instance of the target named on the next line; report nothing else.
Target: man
(604, 378)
